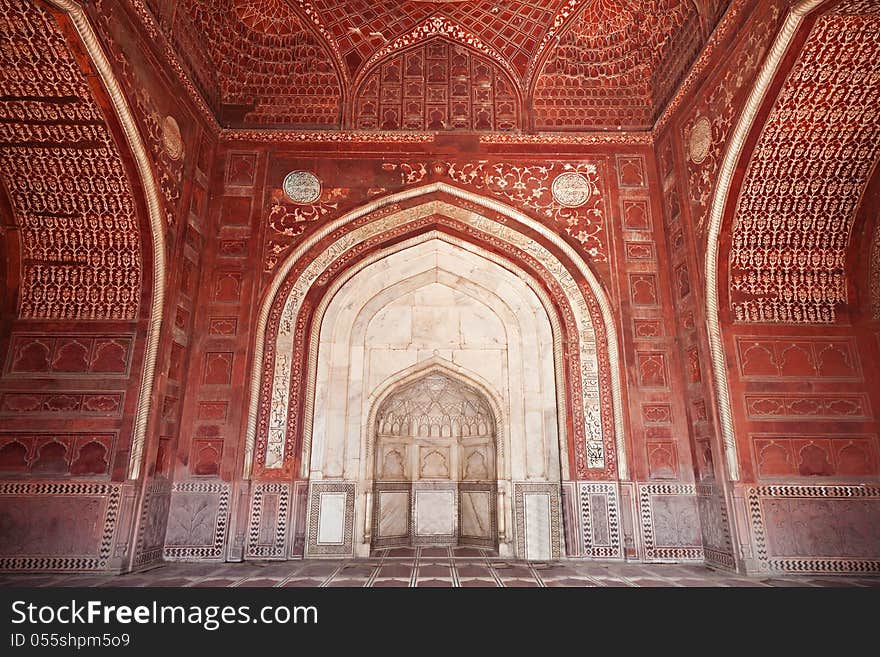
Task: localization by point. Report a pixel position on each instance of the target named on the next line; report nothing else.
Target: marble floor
(430, 567)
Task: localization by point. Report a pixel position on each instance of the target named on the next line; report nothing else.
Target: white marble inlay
(393, 507)
(572, 189)
(302, 187)
(435, 512)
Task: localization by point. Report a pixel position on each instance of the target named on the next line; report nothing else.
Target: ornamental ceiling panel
(514, 28)
(258, 62)
(438, 85)
(290, 63)
(617, 64)
(807, 175)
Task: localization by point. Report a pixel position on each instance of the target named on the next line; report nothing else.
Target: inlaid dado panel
(331, 519)
(670, 522)
(392, 521)
(58, 525)
(197, 521)
(269, 521)
(537, 521)
(815, 529)
(600, 520)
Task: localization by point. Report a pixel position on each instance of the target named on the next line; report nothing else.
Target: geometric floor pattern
(429, 567)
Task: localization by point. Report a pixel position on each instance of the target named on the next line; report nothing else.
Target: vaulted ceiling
(433, 64)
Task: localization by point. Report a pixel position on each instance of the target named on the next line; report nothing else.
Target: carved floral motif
(806, 177)
(80, 239)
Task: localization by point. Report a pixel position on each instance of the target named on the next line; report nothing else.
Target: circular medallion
(700, 140)
(302, 187)
(171, 139)
(571, 189)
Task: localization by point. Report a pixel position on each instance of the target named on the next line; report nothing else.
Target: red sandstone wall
(688, 182)
(69, 388)
(185, 183)
(620, 233)
(228, 226)
(801, 394)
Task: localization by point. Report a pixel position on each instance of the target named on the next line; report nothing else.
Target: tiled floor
(430, 567)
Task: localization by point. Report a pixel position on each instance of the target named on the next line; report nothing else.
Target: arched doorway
(434, 467)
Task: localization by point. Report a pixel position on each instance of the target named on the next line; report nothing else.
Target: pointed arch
(718, 210)
(277, 310)
(127, 122)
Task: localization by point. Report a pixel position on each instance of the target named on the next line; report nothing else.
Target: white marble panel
(480, 326)
(331, 519)
(385, 362)
(393, 465)
(537, 530)
(435, 328)
(475, 465)
(475, 514)
(488, 363)
(435, 295)
(535, 443)
(391, 326)
(434, 462)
